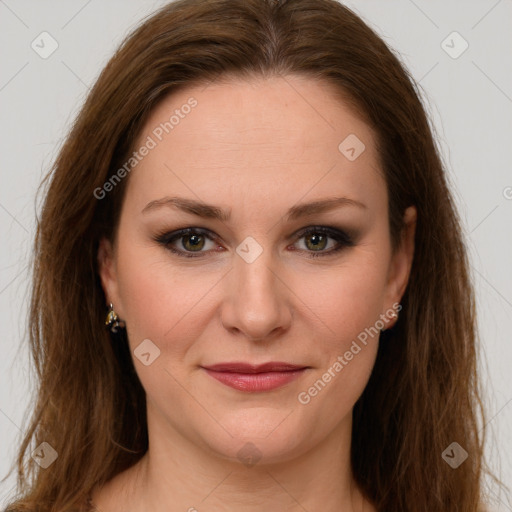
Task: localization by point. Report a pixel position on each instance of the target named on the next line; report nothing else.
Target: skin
(254, 148)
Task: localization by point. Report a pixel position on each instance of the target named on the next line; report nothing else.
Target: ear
(107, 272)
(401, 263)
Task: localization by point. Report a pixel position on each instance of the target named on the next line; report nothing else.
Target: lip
(255, 378)
(241, 367)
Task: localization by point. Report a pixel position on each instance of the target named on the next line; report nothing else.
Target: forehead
(269, 136)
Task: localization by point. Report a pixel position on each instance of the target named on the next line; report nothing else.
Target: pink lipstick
(254, 378)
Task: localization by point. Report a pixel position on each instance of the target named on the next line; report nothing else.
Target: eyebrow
(209, 211)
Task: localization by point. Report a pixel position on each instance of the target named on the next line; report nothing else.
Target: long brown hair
(424, 391)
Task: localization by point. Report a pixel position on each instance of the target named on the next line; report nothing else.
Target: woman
(252, 201)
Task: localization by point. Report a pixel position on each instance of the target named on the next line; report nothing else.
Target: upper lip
(241, 367)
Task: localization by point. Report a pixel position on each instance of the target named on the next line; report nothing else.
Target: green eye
(193, 240)
(317, 240)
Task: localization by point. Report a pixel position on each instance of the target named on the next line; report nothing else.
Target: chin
(260, 437)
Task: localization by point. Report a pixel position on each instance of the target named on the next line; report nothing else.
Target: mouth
(255, 378)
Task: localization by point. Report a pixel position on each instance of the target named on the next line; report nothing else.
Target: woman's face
(262, 278)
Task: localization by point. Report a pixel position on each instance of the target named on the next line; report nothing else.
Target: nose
(257, 302)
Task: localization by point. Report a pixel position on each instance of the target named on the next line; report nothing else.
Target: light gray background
(469, 99)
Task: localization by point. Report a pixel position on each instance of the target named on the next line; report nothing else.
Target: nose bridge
(256, 304)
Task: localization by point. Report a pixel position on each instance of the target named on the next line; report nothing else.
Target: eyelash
(344, 240)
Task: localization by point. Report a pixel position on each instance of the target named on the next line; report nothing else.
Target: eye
(316, 240)
(192, 241)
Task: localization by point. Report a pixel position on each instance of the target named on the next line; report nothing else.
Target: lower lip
(256, 381)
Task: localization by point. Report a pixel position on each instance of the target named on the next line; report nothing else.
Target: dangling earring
(112, 321)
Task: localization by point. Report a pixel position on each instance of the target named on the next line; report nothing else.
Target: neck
(179, 473)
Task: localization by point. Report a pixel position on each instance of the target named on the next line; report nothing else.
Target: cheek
(347, 298)
(153, 295)
(345, 304)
